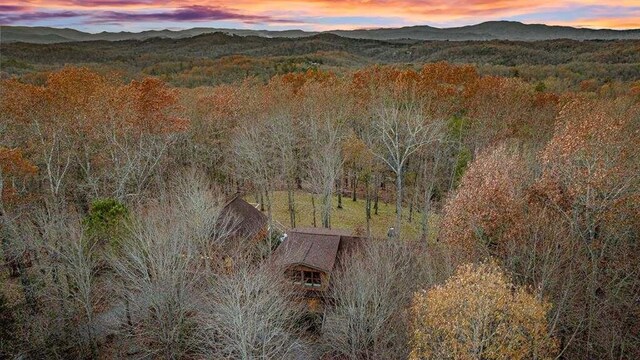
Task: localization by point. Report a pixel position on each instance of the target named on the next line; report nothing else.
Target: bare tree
(176, 243)
(55, 146)
(66, 270)
(255, 160)
(135, 161)
(399, 129)
(325, 113)
(159, 277)
(283, 131)
(325, 163)
(78, 258)
(200, 211)
(430, 166)
(251, 315)
(371, 294)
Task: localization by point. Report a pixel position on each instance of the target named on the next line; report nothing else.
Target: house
(309, 256)
(246, 220)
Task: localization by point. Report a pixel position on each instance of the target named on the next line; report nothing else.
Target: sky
(138, 15)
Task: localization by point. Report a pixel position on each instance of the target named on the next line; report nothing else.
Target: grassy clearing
(350, 217)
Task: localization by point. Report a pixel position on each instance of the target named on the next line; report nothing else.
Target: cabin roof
(313, 247)
(250, 220)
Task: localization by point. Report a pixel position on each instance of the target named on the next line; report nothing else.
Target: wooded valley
(498, 199)
(218, 58)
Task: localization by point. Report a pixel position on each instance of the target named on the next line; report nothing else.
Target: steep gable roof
(250, 220)
(314, 247)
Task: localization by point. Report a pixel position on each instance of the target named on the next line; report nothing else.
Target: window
(306, 278)
(312, 278)
(295, 276)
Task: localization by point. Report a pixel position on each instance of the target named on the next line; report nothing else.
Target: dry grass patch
(351, 216)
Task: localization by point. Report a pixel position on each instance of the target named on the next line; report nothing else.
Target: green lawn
(350, 217)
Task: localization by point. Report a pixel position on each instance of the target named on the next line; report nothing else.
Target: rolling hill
(214, 58)
(493, 30)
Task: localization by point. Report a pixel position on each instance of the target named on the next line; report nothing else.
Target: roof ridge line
(233, 198)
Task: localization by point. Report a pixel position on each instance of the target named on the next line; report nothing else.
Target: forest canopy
(510, 186)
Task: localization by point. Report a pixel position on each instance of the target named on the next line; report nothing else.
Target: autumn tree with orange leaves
(590, 182)
(107, 137)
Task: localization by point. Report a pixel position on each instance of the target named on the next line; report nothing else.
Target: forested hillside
(212, 59)
(508, 178)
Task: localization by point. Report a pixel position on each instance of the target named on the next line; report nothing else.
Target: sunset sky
(138, 15)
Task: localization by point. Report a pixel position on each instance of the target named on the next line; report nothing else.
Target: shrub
(105, 220)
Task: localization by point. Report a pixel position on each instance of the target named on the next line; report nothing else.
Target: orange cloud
(602, 23)
(323, 14)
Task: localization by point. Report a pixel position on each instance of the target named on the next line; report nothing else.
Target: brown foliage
(486, 208)
(566, 223)
(479, 314)
(84, 125)
(13, 168)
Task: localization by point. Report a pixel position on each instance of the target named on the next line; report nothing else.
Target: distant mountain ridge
(492, 30)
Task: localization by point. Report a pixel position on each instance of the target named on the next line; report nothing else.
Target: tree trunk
(16, 261)
(313, 205)
(339, 194)
(354, 185)
(452, 181)
(428, 193)
(376, 195)
(398, 203)
(367, 205)
(326, 210)
(425, 212)
(127, 310)
(9, 258)
(292, 205)
(14, 271)
(270, 217)
(27, 288)
(411, 211)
